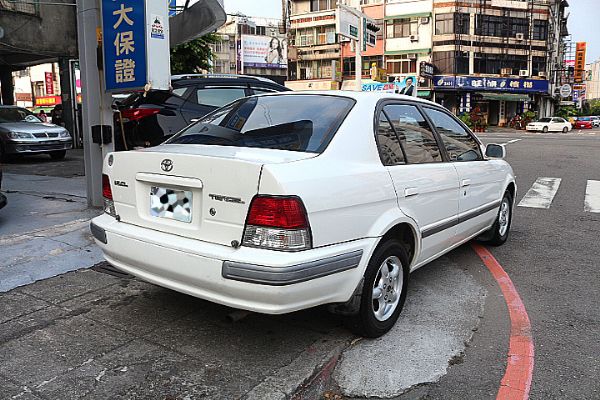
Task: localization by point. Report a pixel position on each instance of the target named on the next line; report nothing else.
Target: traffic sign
(565, 90)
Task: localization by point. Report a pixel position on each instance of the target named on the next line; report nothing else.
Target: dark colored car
(148, 119)
(22, 133)
(2, 197)
(584, 123)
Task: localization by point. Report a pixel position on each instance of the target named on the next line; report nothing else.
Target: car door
(556, 125)
(480, 180)
(205, 99)
(426, 185)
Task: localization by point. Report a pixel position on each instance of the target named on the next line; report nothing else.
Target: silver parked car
(21, 132)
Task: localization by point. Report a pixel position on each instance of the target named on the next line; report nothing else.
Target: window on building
(326, 34)
(261, 30)
(414, 133)
(540, 29)
(401, 64)
(451, 62)
(402, 27)
(458, 23)
(305, 37)
(218, 47)
(459, 143)
(367, 62)
(486, 63)
(538, 64)
(501, 26)
(322, 5)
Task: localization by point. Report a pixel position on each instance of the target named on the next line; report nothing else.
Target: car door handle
(465, 182)
(411, 191)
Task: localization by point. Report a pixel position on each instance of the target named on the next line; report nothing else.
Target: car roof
(358, 96)
(225, 78)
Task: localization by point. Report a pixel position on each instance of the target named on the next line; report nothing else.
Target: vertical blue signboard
(124, 44)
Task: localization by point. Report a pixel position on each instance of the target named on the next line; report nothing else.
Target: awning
(399, 52)
(504, 96)
(409, 15)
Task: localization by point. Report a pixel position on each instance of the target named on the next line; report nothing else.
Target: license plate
(171, 204)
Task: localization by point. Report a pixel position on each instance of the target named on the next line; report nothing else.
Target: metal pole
(96, 105)
(358, 55)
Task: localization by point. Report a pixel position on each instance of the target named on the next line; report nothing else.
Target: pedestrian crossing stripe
(542, 193)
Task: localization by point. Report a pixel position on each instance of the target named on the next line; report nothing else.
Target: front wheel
(499, 231)
(383, 292)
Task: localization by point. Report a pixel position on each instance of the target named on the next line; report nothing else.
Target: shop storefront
(498, 99)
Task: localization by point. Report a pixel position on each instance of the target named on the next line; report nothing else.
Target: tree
(193, 56)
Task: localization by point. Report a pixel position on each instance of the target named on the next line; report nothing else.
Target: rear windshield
(286, 122)
(585, 119)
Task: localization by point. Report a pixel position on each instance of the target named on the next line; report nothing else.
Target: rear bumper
(30, 147)
(3, 200)
(252, 279)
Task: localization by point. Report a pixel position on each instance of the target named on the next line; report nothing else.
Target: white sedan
(554, 124)
(282, 202)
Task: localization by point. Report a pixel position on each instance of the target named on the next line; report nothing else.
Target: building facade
(592, 83)
(499, 56)
(502, 56)
(251, 46)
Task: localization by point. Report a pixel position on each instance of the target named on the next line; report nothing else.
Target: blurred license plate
(171, 203)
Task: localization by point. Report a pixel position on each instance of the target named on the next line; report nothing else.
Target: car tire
(565, 130)
(387, 275)
(58, 155)
(498, 233)
(545, 129)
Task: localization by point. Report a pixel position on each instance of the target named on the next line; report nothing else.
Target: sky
(583, 19)
(255, 8)
(583, 25)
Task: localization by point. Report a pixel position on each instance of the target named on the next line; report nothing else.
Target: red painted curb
(516, 382)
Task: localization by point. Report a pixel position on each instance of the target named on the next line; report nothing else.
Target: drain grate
(106, 268)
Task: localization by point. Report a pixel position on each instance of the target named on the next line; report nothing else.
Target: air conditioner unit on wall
(506, 71)
(542, 74)
(414, 38)
(523, 72)
(520, 36)
(424, 20)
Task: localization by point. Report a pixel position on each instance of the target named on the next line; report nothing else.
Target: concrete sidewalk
(44, 229)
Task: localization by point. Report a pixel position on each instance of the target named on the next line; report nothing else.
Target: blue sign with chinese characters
(124, 44)
(482, 84)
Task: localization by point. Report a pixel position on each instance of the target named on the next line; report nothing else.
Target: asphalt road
(551, 257)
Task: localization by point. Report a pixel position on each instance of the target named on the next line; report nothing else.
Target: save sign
(124, 44)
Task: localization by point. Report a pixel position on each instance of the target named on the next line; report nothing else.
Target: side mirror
(495, 151)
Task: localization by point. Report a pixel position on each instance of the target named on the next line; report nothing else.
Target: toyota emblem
(166, 165)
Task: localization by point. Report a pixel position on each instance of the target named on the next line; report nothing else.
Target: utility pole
(358, 53)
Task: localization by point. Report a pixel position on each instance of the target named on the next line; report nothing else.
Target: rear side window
(390, 151)
(414, 133)
(218, 97)
(304, 123)
(460, 144)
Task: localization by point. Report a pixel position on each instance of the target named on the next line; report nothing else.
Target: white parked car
(282, 202)
(553, 124)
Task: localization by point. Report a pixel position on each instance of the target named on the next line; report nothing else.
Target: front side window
(414, 133)
(459, 143)
(305, 123)
(217, 97)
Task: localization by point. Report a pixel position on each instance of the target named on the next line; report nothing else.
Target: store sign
(45, 101)
(124, 44)
(426, 70)
(264, 51)
(473, 83)
(49, 81)
(565, 91)
(579, 61)
(402, 86)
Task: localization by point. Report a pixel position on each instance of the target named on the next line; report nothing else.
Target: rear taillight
(135, 114)
(109, 204)
(277, 223)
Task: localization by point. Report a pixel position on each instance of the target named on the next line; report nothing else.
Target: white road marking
(510, 141)
(541, 193)
(592, 197)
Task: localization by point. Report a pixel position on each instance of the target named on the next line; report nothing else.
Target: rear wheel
(565, 130)
(58, 155)
(499, 232)
(545, 129)
(383, 291)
